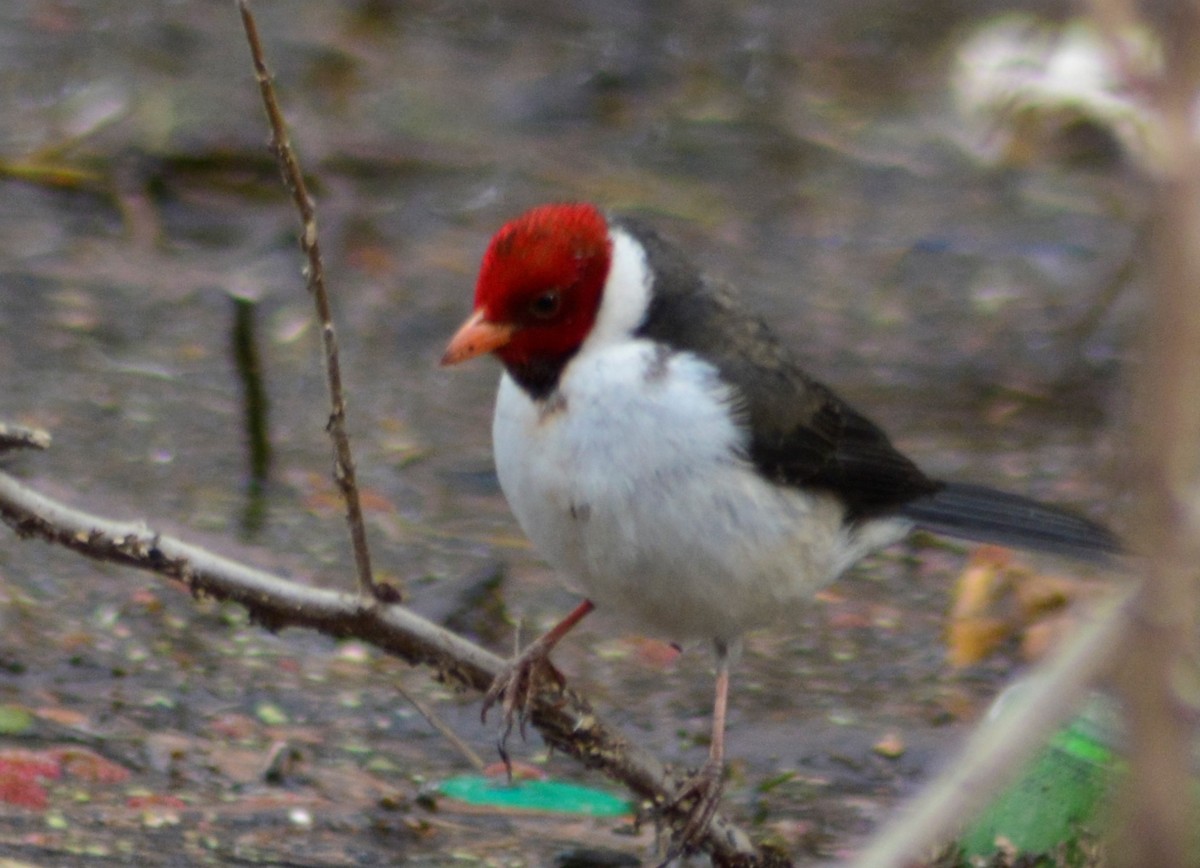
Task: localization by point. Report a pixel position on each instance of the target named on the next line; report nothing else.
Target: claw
(704, 788)
(516, 686)
(706, 784)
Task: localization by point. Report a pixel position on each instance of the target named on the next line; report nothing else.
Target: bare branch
(293, 178)
(565, 720)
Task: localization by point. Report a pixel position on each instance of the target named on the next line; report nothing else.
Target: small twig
(464, 749)
(293, 178)
(19, 437)
(565, 720)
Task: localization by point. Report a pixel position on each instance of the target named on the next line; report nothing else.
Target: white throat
(626, 294)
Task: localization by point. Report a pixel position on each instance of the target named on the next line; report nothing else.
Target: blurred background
(938, 207)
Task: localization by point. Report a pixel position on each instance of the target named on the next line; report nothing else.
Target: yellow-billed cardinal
(669, 457)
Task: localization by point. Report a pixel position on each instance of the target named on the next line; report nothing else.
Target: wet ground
(805, 151)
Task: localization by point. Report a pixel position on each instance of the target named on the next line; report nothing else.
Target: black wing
(801, 433)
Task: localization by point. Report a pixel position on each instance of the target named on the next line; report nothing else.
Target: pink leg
(516, 686)
(705, 786)
(716, 751)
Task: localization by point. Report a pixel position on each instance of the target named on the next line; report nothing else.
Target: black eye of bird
(547, 304)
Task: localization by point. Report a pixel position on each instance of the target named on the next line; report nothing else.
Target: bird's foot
(515, 688)
(699, 797)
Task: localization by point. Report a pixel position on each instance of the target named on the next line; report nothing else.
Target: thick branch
(566, 721)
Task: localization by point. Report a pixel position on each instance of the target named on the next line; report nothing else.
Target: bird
(666, 453)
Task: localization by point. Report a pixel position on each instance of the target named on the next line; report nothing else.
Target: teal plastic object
(545, 796)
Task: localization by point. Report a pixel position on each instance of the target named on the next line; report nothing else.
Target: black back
(801, 433)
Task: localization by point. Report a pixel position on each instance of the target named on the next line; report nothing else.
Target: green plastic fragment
(1060, 799)
(546, 796)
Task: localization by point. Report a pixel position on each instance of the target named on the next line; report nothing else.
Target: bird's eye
(547, 304)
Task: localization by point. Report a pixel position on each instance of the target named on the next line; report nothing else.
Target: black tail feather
(982, 514)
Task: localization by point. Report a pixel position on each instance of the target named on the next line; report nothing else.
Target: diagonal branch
(566, 721)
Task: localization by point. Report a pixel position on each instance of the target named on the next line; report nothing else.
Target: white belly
(630, 482)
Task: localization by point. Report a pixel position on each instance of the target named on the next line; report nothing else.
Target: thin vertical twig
(343, 460)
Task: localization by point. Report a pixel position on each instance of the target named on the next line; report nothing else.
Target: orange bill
(476, 337)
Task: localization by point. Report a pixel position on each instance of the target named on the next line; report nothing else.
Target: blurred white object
(1025, 87)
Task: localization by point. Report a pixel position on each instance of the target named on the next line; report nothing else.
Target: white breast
(630, 480)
